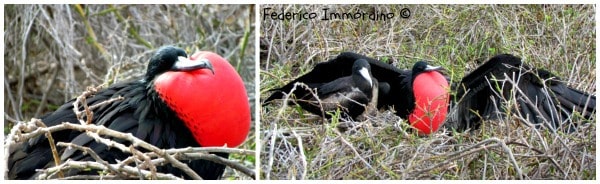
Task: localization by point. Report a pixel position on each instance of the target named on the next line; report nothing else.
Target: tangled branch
(145, 161)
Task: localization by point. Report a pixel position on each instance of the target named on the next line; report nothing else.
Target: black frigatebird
(338, 67)
(425, 97)
(351, 94)
(539, 95)
(181, 102)
(392, 82)
(552, 96)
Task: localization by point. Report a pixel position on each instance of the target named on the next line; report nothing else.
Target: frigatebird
(474, 89)
(540, 96)
(425, 98)
(351, 94)
(181, 102)
(333, 69)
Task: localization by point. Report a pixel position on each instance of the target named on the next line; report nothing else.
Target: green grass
(457, 37)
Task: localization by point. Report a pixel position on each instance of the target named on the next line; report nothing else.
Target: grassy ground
(53, 52)
(296, 144)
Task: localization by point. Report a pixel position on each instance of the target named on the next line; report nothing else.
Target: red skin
(431, 102)
(215, 108)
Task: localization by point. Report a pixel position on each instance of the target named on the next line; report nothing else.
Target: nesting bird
(180, 102)
(351, 94)
(425, 98)
(539, 95)
(422, 95)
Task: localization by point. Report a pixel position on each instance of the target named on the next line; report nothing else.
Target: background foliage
(296, 144)
(53, 52)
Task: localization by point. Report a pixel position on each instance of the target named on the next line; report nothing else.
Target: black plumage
(141, 113)
(335, 68)
(352, 93)
(393, 83)
(404, 96)
(540, 96)
(551, 102)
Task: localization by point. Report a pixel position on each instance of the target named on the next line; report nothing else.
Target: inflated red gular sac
(420, 95)
(431, 98)
(181, 102)
(212, 104)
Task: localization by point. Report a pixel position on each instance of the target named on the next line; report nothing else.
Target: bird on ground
(425, 98)
(351, 94)
(540, 96)
(476, 99)
(181, 102)
(394, 88)
(341, 66)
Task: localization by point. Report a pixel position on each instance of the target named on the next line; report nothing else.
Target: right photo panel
(427, 92)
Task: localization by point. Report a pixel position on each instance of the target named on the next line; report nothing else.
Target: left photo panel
(129, 92)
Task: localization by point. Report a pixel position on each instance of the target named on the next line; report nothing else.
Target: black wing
(136, 114)
(338, 93)
(539, 95)
(35, 154)
(341, 66)
(343, 84)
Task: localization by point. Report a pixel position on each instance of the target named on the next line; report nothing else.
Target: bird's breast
(430, 90)
(213, 106)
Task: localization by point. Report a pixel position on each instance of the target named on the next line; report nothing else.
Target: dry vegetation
(54, 52)
(299, 145)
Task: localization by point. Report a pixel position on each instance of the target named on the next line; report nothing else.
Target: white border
(257, 105)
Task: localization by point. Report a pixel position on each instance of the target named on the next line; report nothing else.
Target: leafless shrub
(145, 161)
(559, 38)
(53, 52)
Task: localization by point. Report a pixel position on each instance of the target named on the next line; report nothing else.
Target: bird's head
(169, 58)
(363, 69)
(205, 92)
(422, 66)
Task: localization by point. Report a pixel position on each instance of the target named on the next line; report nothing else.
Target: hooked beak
(433, 68)
(185, 64)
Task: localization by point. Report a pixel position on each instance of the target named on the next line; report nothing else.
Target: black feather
(141, 113)
(541, 96)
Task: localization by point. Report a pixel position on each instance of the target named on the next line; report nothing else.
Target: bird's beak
(185, 64)
(433, 68)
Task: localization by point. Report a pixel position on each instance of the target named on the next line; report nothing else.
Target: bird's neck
(362, 83)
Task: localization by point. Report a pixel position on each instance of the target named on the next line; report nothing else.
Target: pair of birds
(156, 109)
(179, 103)
(356, 85)
(422, 95)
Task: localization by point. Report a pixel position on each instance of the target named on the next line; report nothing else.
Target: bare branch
(86, 150)
(52, 147)
(133, 171)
